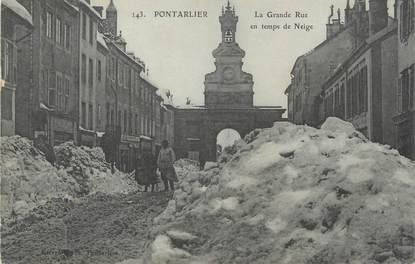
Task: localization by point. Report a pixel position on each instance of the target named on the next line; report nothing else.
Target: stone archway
(196, 130)
(226, 138)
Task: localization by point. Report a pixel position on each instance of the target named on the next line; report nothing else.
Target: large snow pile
(88, 168)
(28, 180)
(293, 194)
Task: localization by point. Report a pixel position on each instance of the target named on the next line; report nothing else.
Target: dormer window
(228, 36)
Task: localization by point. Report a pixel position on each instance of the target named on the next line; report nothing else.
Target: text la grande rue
(271, 14)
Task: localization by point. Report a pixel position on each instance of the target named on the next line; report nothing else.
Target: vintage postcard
(207, 131)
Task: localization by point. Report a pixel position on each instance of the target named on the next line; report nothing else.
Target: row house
(131, 115)
(90, 68)
(77, 81)
(374, 88)
(123, 110)
(361, 91)
(16, 26)
(313, 68)
(404, 114)
(47, 98)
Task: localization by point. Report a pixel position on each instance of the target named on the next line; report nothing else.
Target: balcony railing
(8, 61)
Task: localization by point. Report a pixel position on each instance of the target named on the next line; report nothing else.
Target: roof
(101, 40)
(71, 5)
(322, 44)
(91, 9)
(392, 26)
(195, 107)
(111, 7)
(141, 64)
(147, 79)
(288, 89)
(19, 10)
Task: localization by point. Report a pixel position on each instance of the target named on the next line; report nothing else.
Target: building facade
(313, 68)
(131, 109)
(404, 118)
(16, 25)
(361, 91)
(88, 72)
(48, 96)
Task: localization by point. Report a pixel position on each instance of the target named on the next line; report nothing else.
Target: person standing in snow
(150, 171)
(165, 161)
(202, 161)
(42, 144)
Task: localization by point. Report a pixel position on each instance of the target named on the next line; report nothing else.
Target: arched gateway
(228, 100)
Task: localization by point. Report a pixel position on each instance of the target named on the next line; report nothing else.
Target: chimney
(334, 25)
(378, 15)
(99, 9)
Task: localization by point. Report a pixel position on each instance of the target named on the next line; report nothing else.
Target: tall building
(229, 85)
(228, 100)
(47, 98)
(404, 118)
(16, 25)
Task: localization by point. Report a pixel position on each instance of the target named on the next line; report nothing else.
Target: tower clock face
(228, 74)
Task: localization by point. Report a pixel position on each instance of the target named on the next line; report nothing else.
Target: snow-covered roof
(147, 79)
(130, 57)
(85, 3)
(20, 10)
(71, 5)
(190, 107)
(101, 40)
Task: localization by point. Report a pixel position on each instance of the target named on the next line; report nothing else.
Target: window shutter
(401, 21)
(411, 87)
(412, 16)
(399, 95)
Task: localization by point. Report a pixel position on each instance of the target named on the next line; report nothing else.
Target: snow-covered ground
(28, 180)
(292, 194)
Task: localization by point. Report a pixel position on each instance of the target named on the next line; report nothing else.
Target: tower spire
(111, 19)
(228, 22)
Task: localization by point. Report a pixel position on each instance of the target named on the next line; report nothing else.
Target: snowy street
(287, 195)
(99, 229)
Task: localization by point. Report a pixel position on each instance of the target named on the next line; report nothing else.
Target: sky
(178, 51)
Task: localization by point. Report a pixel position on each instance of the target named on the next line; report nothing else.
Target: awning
(44, 107)
(18, 9)
(145, 137)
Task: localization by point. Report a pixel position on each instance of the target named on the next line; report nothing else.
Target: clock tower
(228, 86)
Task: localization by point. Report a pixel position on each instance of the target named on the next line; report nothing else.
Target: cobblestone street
(100, 228)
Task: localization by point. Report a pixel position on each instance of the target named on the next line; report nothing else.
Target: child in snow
(146, 171)
(165, 163)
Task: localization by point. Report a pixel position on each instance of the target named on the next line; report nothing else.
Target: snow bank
(28, 180)
(294, 194)
(90, 170)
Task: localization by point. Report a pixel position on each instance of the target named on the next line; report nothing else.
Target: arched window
(228, 36)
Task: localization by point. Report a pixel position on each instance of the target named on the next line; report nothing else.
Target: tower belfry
(228, 22)
(229, 86)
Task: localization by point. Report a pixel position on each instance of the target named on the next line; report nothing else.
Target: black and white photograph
(207, 132)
